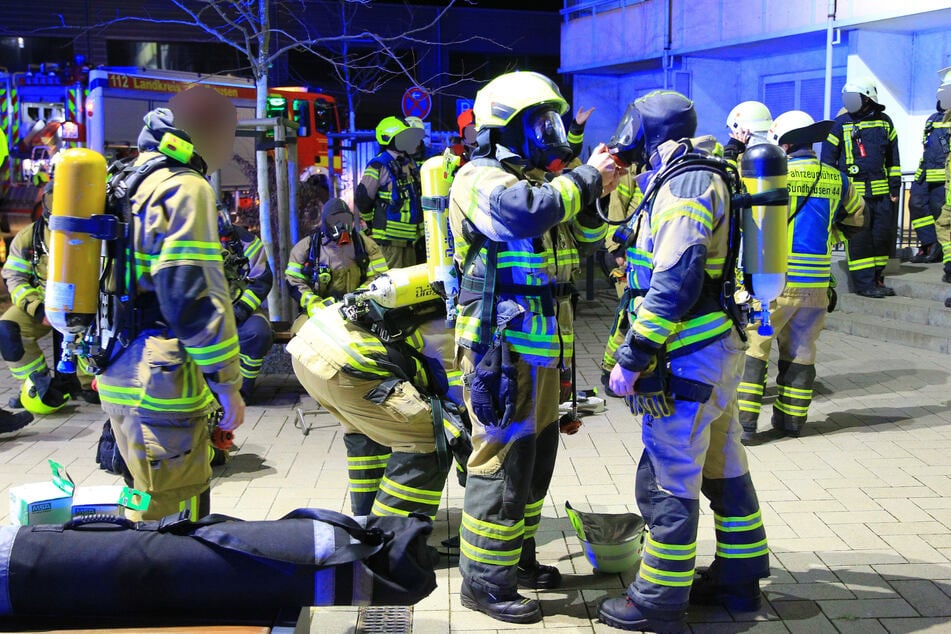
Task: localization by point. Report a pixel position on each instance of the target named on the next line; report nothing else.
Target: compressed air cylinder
(401, 287)
(436, 176)
(72, 285)
(765, 251)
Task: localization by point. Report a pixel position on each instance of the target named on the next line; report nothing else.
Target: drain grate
(388, 619)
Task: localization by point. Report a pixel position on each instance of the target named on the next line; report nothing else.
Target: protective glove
(232, 405)
(241, 313)
(650, 396)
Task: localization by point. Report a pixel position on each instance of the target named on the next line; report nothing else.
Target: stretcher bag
(110, 570)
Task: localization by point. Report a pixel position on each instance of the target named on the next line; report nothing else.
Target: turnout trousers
(797, 325)
(697, 449)
(392, 463)
(509, 472)
(868, 250)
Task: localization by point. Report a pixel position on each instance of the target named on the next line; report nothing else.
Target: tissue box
(107, 500)
(43, 502)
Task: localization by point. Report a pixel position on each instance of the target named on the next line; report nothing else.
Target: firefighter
(160, 391)
(748, 124)
(250, 280)
(383, 391)
(388, 196)
(24, 323)
(927, 191)
(333, 260)
(864, 143)
(507, 330)
(821, 198)
(680, 367)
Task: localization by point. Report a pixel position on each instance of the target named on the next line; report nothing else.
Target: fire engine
(46, 108)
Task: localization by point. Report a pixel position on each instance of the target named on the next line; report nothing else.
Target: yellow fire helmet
(499, 101)
(402, 136)
(38, 397)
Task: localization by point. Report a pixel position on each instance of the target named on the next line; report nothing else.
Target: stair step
(921, 336)
(906, 310)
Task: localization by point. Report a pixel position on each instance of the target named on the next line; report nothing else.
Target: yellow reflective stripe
(792, 410)
(18, 264)
(534, 509)
(492, 531)
(575, 139)
(684, 208)
(23, 372)
(365, 460)
(137, 397)
(674, 552)
(381, 509)
(701, 328)
(491, 557)
(177, 250)
(754, 407)
(409, 493)
(215, 353)
(678, 579)
(738, 524)
(742, 551)
(798, 392)
(752, 388)
(253, 249)
(22, 291)
(371, 172)
(570, 195)
(833, 139)
(653, 327)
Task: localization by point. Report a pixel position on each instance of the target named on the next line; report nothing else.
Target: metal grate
(385, 620)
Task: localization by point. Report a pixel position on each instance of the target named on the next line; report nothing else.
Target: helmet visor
(628, 140)
(545, 129)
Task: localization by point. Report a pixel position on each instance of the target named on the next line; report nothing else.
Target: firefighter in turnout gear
(943, 222)
(250, 279)
(24, 274)
(927, 191)
(160, 391)
(748, 123)
(680, 367)
(333, 260)
(824, 207)
(863, 143)
(388, 195)
(393, 396)
(507, 329)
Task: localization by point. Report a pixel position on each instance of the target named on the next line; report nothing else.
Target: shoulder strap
(805, 199)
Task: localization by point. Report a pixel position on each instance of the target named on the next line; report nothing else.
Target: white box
(107, 500)
(43, 502)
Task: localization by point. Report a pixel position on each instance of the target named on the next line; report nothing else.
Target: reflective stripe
(738, 524)
(534, 509)
(410, 494)
(679, 579)
(751, 388)
(18, 264)
(22, 291)
(23, 372)
(703, 328)
(570, 195)
(671, 552)
(179, 250)
(575, 139)
(742, 551)
(137, 397)
(792, 410)
(653, 327)
(382, 510)
(215, 353)
(490, 557)
(489, 530)
(684, 208)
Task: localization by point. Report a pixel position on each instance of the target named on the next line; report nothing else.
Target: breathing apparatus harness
(122, 313)
(401, 188)
(318, 274)
(740, 199)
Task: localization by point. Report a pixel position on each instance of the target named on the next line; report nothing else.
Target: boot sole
(644, 625)
(522, 619)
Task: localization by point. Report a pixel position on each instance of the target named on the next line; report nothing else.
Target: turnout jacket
(935, 144)
(866, 148)
(388, 198)
(251, 296)
(346, 272)
(493, 208)
(168, 368)
(25, 270)
(823, 205)
(676, 262)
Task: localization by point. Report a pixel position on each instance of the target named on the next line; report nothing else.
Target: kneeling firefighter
(250, 280)
(680, 367)
(508, 331)
(333, 260)
(382, 363)
(181, 349)
(25, 275)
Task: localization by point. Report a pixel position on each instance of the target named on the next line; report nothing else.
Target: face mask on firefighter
(337, 228)
(546, 140)
(628, 145)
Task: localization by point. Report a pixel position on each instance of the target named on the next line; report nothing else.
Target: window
(802, 91)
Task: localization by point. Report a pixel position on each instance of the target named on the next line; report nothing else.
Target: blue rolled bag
(107, 570)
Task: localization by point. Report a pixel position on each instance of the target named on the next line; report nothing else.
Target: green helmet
(500, 100)
(38, 397)
(395, 132)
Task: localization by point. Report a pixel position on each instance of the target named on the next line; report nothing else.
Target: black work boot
(510, 606)
(532, 574)
(622, 613)
(12, 421)
(737, 597)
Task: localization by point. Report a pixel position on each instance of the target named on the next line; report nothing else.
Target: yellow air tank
(72, 285)
(436, 176)
(401, 287)
(763, 168)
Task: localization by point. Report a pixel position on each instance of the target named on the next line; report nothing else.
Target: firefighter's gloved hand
(650, 397)
(37, 310)
(241, 313)
(232, 405)
(493, 389)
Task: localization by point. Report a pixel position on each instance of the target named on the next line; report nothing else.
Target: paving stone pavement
(857, 510)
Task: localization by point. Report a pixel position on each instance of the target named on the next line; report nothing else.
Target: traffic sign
(462, 105)
(417, 103)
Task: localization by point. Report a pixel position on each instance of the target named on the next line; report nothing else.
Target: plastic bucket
(612, 542)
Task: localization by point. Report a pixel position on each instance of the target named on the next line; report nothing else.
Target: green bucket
(611, 542)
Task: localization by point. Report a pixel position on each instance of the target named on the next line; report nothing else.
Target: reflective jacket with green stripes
(24, 272)
(824, 206)
(494, 207)
(252, 292)
(388, 198)
(935, 144)
(866, 148)
(677, 258)
(191, 343)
